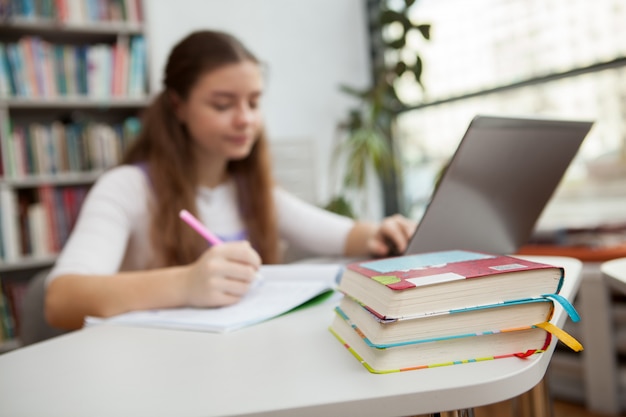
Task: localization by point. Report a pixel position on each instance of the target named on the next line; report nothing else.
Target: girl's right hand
(222, 275)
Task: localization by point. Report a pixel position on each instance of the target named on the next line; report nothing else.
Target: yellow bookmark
(562, 335)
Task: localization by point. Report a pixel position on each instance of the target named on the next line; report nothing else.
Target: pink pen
(209, 236)
(200, 228)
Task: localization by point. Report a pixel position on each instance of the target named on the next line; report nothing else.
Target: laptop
(502, 175)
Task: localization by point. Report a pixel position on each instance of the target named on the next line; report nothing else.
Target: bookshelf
(73, 81)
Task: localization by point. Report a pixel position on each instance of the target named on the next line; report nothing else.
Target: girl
(202, 148)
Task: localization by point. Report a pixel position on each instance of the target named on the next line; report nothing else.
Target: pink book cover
(411, 271)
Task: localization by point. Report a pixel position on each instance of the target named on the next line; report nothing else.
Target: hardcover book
(492, 318)
(413, 285)
(432, 353)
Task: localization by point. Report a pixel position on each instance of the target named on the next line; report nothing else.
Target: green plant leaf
(388, 16)
(424, 29)
(341, 206)
(397, 43)
(367, 146)
(367, 143)
(380, 154)
(400, 68)
(417, 69)
(354, 91)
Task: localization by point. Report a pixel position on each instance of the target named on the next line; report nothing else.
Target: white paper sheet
(282, 288)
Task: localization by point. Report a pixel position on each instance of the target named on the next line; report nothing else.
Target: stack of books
(449, 307)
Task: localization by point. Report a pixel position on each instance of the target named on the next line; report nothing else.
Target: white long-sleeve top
(112, 230)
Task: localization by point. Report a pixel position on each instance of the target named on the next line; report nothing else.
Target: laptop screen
(502, 175)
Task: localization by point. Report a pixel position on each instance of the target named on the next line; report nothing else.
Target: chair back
(33, 325)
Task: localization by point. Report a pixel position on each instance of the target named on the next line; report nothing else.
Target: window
(556, 58)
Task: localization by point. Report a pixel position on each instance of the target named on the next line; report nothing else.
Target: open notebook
(283, 288)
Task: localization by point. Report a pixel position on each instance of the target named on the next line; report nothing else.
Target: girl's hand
(222, 275)
(392, 236)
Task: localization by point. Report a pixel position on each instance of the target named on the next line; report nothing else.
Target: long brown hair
(165, 149)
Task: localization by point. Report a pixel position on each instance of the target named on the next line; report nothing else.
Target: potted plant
(365, 144)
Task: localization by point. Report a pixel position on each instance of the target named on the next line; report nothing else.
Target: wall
(310, 48)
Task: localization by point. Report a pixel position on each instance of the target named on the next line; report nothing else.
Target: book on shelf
(10, 224)
(34, 67)
(38, 230)
(54, 148)
(412, 285)
(36, 221)
(12, 293)
(73, 11)
(281, 289)
(15, 71)
(7, 321)
(99, 60)
(137, 67)
(22, 217)
(2, 244)
(46, 197)
(6, 84)
(120, 66)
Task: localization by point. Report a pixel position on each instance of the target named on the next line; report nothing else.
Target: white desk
(289, 366)
(615, 272)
